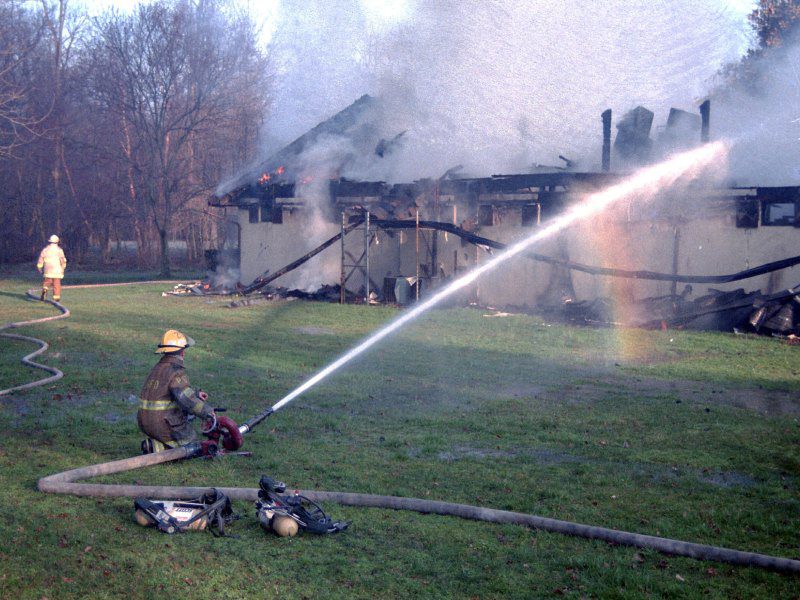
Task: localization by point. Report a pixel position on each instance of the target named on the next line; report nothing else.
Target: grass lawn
(692, 436)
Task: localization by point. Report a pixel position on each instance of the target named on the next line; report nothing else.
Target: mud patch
(727, 479)
(661, 474)
(586, 387)
(314, 330)
(110, 418)
(16, 408)
(413, 452)
(468, 452)
(769, 403)
(541, 456)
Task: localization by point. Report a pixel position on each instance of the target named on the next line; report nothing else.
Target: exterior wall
(707, 245)
(518, 282)
(268, 247)
(716, 247)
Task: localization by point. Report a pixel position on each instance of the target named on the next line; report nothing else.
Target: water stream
(645, 182)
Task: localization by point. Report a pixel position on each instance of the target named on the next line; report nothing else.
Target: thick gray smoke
(496, 86)
(764, 124)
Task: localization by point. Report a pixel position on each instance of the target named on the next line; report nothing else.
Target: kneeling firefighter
(167, 400)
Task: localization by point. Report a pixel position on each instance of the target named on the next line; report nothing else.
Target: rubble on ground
(775, 314)
(203, 288)
(326, 293)
(733, 311)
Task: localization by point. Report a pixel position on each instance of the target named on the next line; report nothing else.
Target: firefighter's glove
(209, 423)
(202, 395)
(207, 411)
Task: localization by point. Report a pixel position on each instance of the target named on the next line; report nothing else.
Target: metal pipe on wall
(417, 232)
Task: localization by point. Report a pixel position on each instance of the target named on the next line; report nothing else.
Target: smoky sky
(499, 86)
(764, 124)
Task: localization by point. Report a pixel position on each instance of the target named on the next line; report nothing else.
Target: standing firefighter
(51, 264)
(167, 400)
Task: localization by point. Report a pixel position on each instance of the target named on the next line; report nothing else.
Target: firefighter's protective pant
(55, 283)
(166, 428)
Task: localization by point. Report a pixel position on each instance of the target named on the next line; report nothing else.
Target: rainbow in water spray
(662, 175)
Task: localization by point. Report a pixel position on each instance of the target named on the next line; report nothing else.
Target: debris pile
(326, 293)
(203, 288)
(737, 310)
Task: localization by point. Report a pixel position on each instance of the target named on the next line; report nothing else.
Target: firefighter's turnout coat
(53, 261)
(166, 402)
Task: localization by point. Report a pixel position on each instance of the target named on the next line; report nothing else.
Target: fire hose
(224, 432)
(68, 482)
(43, 346)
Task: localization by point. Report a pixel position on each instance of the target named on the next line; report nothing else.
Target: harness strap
(216, 507)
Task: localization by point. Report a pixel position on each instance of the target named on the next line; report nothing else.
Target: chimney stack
(705, 116)
(606, 139)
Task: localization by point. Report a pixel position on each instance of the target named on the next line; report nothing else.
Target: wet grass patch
(651, 435)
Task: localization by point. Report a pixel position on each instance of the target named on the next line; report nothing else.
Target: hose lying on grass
(43, 346)
(26, 360)
(67, 482)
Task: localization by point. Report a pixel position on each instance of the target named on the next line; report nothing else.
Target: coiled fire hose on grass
(43, 346)
(68, 482)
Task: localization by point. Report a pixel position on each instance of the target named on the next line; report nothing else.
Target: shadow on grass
(16, 295)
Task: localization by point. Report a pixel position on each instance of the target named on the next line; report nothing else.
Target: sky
(496, 85)
(378, 14)
(503, 85)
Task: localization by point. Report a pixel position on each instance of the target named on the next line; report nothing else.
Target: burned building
(427, 231)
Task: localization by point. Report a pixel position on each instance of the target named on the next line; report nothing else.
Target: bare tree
(20, 35)
(62, 31)
(121, 127)
(176, 76)
(22, 111)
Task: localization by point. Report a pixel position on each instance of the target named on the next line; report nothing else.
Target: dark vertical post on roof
(606, 139)
(705, 115)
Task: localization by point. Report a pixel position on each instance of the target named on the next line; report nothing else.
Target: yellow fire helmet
(173, 341)
(53, 239)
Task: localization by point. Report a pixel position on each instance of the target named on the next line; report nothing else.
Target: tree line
(119, 127)
(776, 25)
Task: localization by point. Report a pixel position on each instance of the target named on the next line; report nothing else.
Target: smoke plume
(496, 86)
(764, 123)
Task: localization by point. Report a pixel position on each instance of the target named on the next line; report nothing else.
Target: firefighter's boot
(150, 446)
(43, 295)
